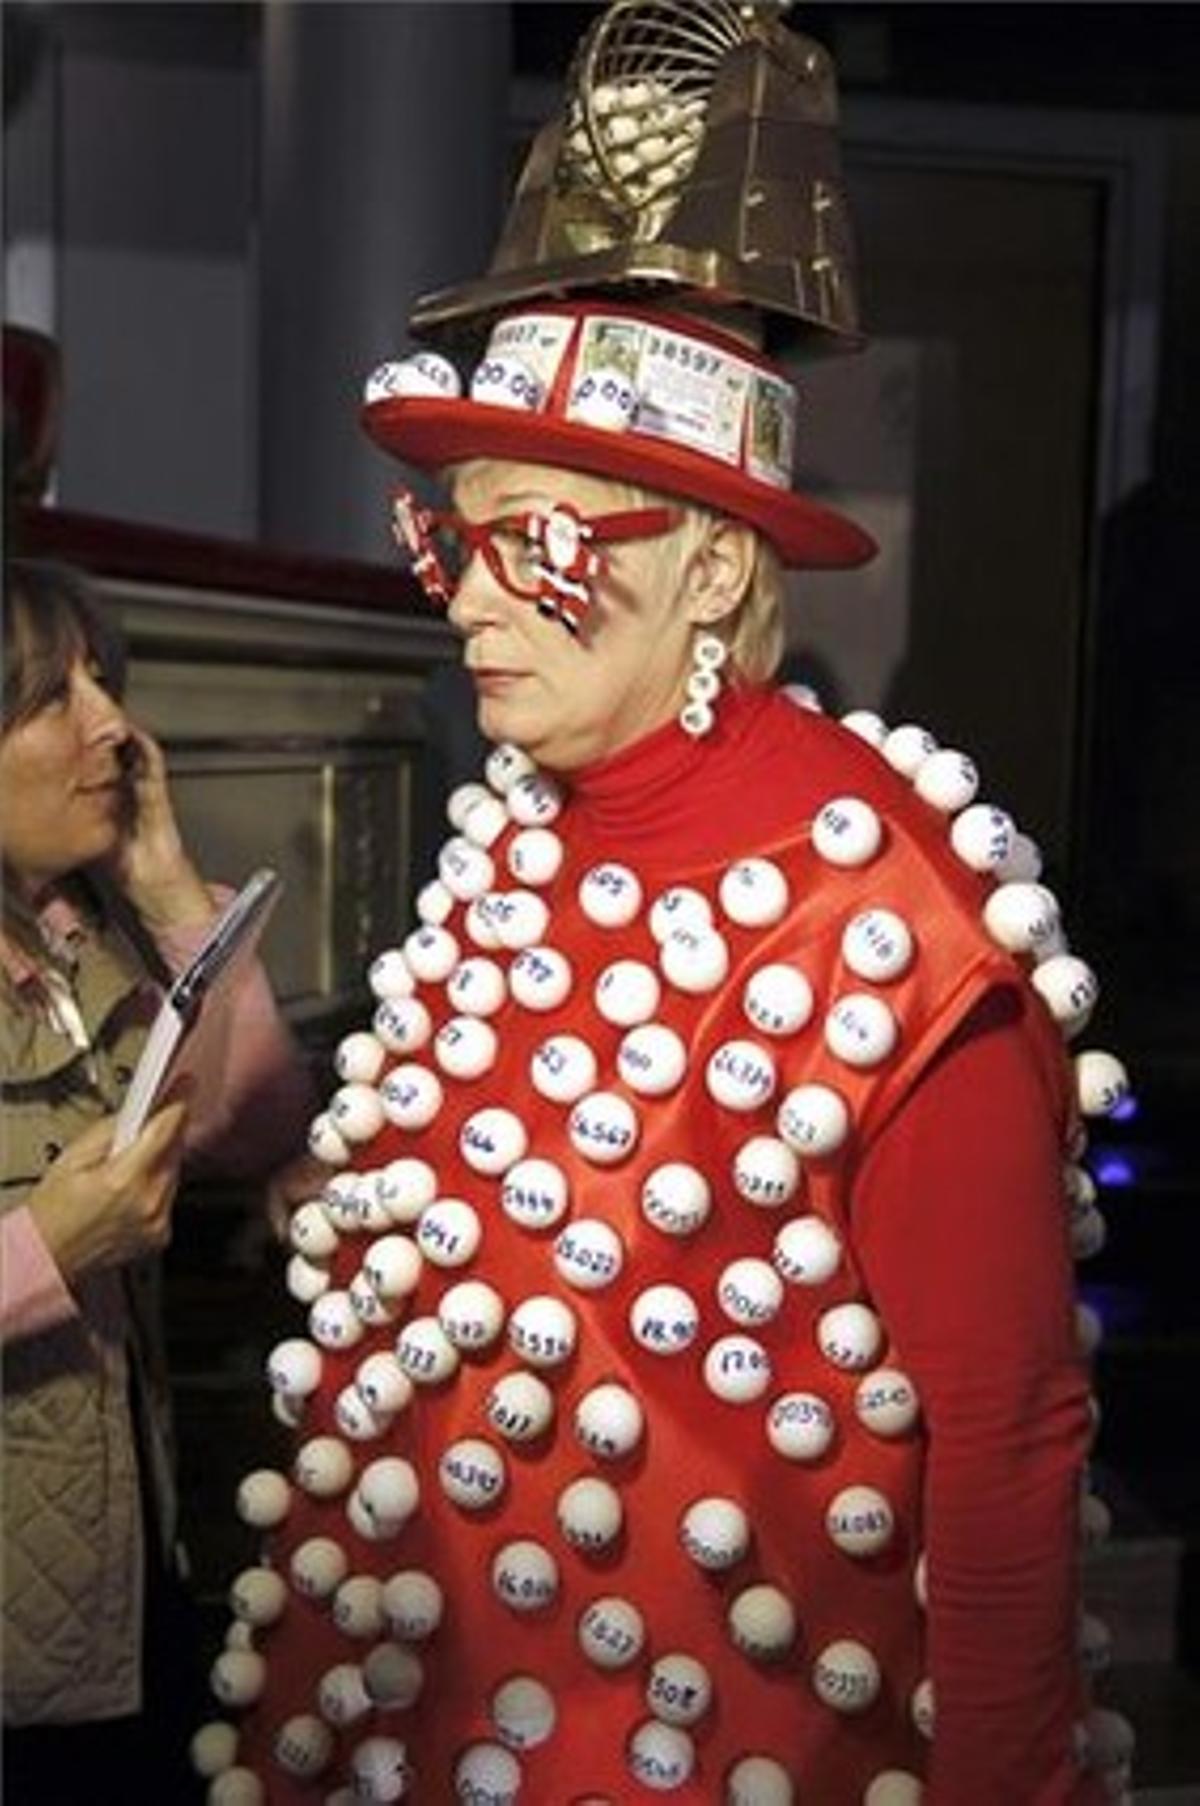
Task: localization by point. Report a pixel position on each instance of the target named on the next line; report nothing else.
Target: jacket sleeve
(33, 1294)
(962, 1230)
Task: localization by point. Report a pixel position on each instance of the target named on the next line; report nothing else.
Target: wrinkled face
(568, 700)
(62, 786)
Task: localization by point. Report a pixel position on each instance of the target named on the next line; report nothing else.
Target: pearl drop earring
(709, 654)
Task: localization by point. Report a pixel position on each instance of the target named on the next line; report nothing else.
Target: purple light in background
(1114, 1169)
(1126, 1110)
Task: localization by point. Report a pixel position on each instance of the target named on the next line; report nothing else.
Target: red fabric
(982, 1320)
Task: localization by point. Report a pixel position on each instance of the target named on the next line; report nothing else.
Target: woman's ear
(719, 572)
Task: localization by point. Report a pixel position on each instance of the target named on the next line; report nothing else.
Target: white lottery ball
(860, 1521)
(476, 987)
(520, 919)
(661, 1756)
(359, 1058)
(762, 1622)
(921, 1581)
(814, 1120)
(389, 976)
(590, 1514)
(867, 725)
(800, 1426)
(611, 1632)
(235, 1787)
(426, 1353)
(435, 903)
(749, 1291)
(737, 1369)
(652, 1059)
(465, 870)
(543, 1331)
(471, 1313)
(1095, 1520)
(1089, 1232)
(1089, 1329)
(523, 1712)
(860, 1030)
(534, 800)
(520, 1407)
(907, 748)
(393, 1676)
(676, 1198)
(303, 1745)
(334, 1322)
(759, 1781)
(372, 1310)
(238, 1676)
(404, 1188)
(465, 1047)
(505, 764)
(425, 373)
(323, 1466)
(886, 1403)
(340, 1198)
(239, 1635)
(588, 1254)
(525, 1576)
(379, 1770)
(311, 1233)
(1021, 917)
(389, 1488)
(610, 895)
(449, 1232)
(1069, 988)
(923, 1708)
(341, 1695)
(506, 382)
(540, 978)
(402, 1025)
(534, 1194)
(487, 1775)
(679, 1689)
(213, 1749)
(1101, 1082)
(1024, 863)
(806, 1251)
(318, 1567)
(305, 1280)
(847, 832)
(393, 1265)
(627, 993)
(609, 1421)
(535, 855)
(477, 922)
(472, 1474)
(982, 836)
(563, 1068)
(603, 398)
(604, 1128)
(413, 1604)
(289, 1409)
(778, 999)
(258, 1596)
(694, 960)
(679, 907)
(948, 780)
(294, 1365)
(1095, 1644)
(264, 1498)
(432, 953)
(845, 1675)
(715, 1533)
(894, 1787)
(326, 1142)
(740, 1076)
(766, 1172)
(850, 1336)
(878, 945)
(1110, 1740)
(664, 1319)
(412, 1096)
(754, 893)
(492, 1140)
(368, 1524)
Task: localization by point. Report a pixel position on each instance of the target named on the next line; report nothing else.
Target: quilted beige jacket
(72, 1526)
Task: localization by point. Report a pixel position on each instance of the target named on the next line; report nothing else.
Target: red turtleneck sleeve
(961, 1231)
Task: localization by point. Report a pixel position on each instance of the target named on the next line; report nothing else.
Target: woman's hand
(98, 1209)
(151, 866)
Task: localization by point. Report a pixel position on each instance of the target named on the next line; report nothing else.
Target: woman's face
(569, 701)
(62, 790)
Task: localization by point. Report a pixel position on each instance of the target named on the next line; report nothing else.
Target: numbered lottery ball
(413, 1604)
(948, 780)
(612, 1632)
(382, 1383)
(238, 1676)
(846, 1677)
(740, 1076)
(590, 1514)
(543, 1331)
(465, 1047)
(472, 1473)
(894, 1787)
(715, 1533)
(679, 1689)
(523, 1712)
(393, 1266)
(610, 895)
(303, 1745)
(1069, 989)
(213, 1749)
(609, 1421)
(847, 832)
(588, 1254)
(359, 1058)
(404, 1188)
(885, 1402)
(762, 1622)
(379, 1770)
(878, 945)
(520, 1407)
(676, 1198)
(664, 1319)
(476, 987)
(661, 1756)
(627, 993)
(318, 1567)
(850, 1336)
(535, 800)
(294, 1366)
(393, 1676)
(540, 978)
(759, 1781)
(983, 836)
(604, 1128)
(806, 1252)
(389, 976)
(492, 1140)
(907, 748)
(813, 1120)
(402, 1025)
(1101, 1082)
(860, 1521)
(258, 1596)
(264, 1499)
(563, 1069)
(778, 999)
(525, 1576)
(323, 1467)
(800, 1426)
(694, 960)
(535, 1194)
(472, 1314)
(432, 953)
(412, 1096)
(505, 764)
(426, 1353)
(750, 1292)
(449, 1232)
(652, 1060)
(861, 1030)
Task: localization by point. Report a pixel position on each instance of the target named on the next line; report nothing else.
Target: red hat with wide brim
(431, 431)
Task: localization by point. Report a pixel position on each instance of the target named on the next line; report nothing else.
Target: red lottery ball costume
(690, 1399)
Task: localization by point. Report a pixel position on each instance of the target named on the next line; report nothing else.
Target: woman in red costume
(691, 1399)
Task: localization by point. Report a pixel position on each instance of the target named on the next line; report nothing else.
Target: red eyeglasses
(550, 557)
